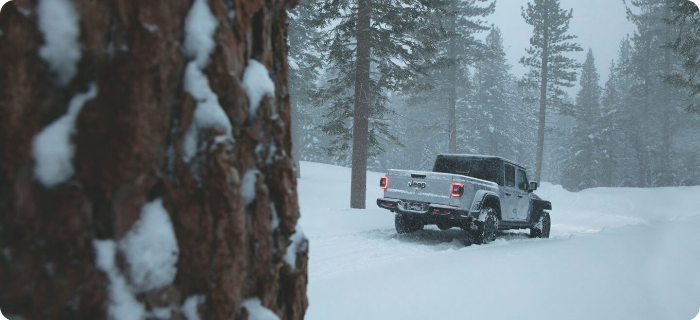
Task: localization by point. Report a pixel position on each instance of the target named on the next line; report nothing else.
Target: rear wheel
(405, 225)
(541, 228)
(486, 230)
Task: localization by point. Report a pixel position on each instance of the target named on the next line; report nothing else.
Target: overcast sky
(599, 24)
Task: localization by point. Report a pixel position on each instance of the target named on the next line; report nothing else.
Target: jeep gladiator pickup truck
(480, 194)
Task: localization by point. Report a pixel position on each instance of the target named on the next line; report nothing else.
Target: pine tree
(444, 87)
(626, 127)
(304, 64)
(494, 100)
(550, 69)
(583, 169)
(370, 48)
(609, 128)
(686, 18)
(656, 105)
(461, 50)
(447, 83)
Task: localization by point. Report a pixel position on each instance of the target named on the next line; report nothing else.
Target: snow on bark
(257, 84)
(59, 22)
(151, 249)
(250, 179)
(189, 308)
(298, 244)
(256, 311)
(200, 26)
(122, 303)
(53, 149)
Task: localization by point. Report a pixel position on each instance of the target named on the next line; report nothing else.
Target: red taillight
(457, 190)
(384, 182)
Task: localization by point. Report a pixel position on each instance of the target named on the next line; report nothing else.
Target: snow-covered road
(614, 254)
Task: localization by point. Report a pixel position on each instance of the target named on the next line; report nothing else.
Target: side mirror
(533, 186)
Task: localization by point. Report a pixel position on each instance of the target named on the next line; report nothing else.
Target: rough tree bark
(232, 234)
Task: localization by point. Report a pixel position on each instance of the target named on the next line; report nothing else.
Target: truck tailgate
(429, 187)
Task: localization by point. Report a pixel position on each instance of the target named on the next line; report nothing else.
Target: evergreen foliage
(583, 169)
(397, 56)
(685, 17)
(304, 67)
(550, 69)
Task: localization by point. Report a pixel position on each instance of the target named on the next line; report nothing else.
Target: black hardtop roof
(479, 156)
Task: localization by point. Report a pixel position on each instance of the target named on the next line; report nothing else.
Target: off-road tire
(542, 227)
(486, 230)
(405, 225)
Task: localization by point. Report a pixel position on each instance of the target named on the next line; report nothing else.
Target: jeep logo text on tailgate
(415, 184)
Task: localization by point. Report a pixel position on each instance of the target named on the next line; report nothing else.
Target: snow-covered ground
(614, 254)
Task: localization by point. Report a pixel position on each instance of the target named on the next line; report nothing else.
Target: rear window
(484, 169)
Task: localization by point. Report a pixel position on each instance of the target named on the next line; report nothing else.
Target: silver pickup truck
(480, 194)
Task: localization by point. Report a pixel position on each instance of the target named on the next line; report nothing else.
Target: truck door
(509, 203)
(522, 196)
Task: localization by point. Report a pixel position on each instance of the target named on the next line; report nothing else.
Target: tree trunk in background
(233, 206)
(296, 140)
(358, 188)
(452, 107)
(543, 100)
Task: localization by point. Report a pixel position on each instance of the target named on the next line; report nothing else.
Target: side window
(522, 180)
(510, 176)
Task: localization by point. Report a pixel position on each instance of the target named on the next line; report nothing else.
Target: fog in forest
(464, 76)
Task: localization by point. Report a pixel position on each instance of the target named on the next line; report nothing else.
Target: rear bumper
(389, 204)
(434, 211)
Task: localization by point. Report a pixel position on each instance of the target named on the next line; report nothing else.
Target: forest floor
(615, 253)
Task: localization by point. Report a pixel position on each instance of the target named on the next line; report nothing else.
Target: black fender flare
(486, 198)
(537, 207)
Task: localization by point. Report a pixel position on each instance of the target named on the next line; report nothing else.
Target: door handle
(520, 197)
(509, 194)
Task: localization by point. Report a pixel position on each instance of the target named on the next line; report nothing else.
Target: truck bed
(434, 188)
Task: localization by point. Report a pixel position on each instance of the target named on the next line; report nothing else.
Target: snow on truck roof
(481, 156)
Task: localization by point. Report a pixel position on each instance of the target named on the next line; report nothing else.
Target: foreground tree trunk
(103, 160)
